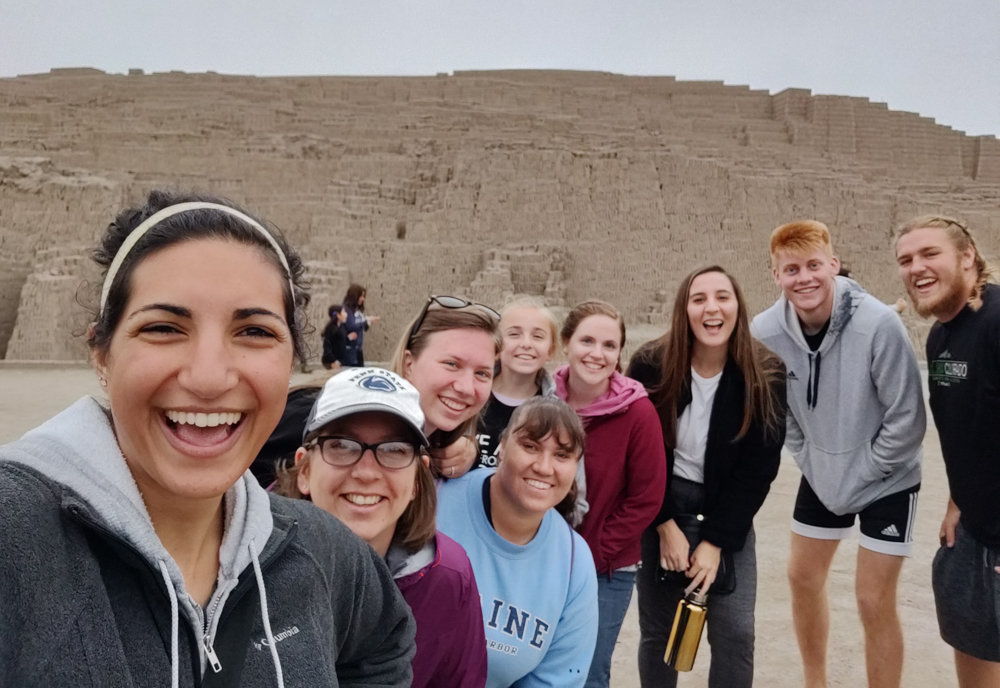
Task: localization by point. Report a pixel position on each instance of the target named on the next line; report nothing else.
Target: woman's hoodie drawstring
(265, 619)
(172, 594)
(264, 615)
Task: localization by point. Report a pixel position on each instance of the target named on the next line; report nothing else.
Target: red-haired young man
(855, 425)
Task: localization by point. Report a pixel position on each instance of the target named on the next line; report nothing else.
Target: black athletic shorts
(967, 596)
(886, 523)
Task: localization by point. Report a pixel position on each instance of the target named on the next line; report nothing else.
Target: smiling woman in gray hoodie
(138, 549)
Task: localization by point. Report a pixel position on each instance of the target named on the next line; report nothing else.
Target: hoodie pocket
(879, 470)
(840, 478)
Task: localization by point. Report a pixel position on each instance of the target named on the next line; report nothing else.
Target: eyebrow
(467, 362)
(181, 312)
(247, 313)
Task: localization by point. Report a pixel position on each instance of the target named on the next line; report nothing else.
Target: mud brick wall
(567, 185)
(50, 320)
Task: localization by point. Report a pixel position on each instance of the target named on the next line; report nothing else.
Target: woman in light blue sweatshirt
(535, 575)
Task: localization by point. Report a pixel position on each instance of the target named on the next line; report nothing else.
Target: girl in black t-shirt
(529, 333)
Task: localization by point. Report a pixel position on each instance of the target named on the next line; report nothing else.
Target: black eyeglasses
(343, 452)
(451, 302)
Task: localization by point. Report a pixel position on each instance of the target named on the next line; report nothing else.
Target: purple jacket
(440, 588)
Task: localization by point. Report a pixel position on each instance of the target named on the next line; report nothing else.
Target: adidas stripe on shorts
(886, 523)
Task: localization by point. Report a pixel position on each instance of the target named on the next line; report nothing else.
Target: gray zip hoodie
(73, 525)
(856, 416)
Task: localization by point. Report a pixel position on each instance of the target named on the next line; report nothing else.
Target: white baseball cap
(361, 390)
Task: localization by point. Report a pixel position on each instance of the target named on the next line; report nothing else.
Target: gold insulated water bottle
(686, 633)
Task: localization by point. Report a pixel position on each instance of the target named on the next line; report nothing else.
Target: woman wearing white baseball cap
(363, 459)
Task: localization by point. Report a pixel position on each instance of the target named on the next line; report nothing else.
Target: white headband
(170, 211)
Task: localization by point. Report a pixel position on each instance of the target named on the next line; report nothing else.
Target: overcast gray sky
(940, 58)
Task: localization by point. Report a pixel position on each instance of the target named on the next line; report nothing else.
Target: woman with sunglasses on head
(448, 354)
(720, 396)
(535, 574)
(362, 459)
(625, 464)
(138, 548)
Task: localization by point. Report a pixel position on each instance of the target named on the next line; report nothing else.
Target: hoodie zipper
(213, 659)
(206, 640)
(234, 597)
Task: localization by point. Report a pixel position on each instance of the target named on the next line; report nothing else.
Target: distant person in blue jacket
(355, 325)
(535, 574)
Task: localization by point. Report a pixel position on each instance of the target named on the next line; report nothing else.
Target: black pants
(730, 617)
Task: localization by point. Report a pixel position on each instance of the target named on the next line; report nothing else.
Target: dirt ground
(31, 396)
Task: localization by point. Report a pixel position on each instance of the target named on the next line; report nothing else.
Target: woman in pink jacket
(625, 462)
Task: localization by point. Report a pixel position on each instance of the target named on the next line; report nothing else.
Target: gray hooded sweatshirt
(856, 416)
(90, 597)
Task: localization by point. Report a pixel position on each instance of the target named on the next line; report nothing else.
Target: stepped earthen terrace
(567, 185)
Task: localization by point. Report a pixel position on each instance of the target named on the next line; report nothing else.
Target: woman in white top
(720, 396)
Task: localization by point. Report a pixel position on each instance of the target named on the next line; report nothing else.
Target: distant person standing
(356, 324)
(334, 337)
(855, 425)
(946, 277)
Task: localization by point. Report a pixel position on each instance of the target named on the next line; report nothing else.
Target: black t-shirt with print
(963, 366)
(492, 422)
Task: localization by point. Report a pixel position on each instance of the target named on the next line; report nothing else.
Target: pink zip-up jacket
(625, 464)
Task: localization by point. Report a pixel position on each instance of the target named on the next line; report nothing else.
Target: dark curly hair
(188, 226)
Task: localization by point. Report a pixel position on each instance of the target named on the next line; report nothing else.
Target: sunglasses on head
(450, 302)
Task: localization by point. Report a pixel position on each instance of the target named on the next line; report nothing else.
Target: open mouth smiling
(363, 500)
(453, 405)
(203, 429)
(712, 326)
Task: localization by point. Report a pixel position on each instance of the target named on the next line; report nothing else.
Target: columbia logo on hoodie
(278, 637)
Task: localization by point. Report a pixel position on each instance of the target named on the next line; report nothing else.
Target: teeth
(537, 483)
(925, 281)
(203, 420)
(363, 500)
(454, 405)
